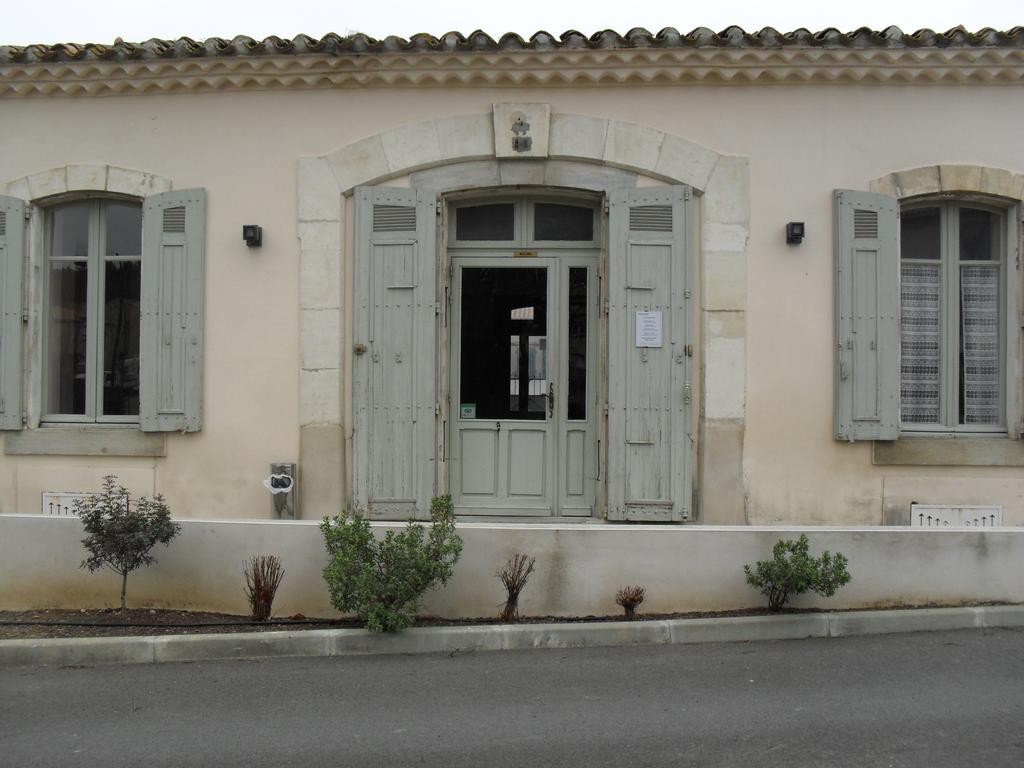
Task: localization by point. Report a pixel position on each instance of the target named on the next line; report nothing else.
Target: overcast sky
(83, 21)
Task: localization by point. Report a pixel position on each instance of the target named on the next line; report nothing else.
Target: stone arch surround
(936, 179)
(87, 178)
(585, 152)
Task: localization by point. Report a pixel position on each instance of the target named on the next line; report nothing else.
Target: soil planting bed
(108, 622)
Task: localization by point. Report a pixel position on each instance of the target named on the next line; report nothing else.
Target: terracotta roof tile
(454, 42)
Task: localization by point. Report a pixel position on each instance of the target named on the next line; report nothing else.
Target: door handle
(551, 399)
(843, 373)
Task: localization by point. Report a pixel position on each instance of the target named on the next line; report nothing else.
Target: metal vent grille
(394, 218)
(3, 223)
(174, 219)
(950, 516)
(865, 223)
(651, 218)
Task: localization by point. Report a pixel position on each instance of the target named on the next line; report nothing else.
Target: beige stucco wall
(802, 142)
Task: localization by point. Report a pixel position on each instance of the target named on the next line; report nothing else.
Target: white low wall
(579, 567)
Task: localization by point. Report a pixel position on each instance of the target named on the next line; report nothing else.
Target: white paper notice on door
(648, 328)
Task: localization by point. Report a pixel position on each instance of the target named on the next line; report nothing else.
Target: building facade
(709, 278)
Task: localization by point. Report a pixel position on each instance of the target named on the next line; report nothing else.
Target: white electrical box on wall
(60, 502)
(954, 516)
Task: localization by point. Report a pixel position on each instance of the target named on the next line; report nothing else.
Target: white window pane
(553, 221)
(66, 337)
(979, 345)
(920, 338)
(502, 343)
(576, 396)
(494, 221)
(537, 355)
(123, 229)
(978, 235)
(920, 234)
(121, 318)
(69, 230)
(513, 378)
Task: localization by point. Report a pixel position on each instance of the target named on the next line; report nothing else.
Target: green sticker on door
(467, 410)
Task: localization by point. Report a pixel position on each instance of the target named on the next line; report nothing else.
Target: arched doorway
(523, 345)
(456, 154)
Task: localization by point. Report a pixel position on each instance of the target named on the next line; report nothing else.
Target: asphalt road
(930, 699)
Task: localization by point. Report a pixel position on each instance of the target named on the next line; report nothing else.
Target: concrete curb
(464, 639)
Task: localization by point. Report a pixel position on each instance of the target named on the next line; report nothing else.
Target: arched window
(926, 300)
(92, 294)
(952, 316)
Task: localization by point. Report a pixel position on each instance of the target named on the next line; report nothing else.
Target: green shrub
(792, 571)
(120, 535)
(382, 580)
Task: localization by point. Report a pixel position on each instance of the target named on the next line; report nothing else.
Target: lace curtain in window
(920, 333)
(979, 344)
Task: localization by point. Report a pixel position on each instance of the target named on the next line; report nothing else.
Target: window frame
(949, 206)
(95, 288)
(524, 204)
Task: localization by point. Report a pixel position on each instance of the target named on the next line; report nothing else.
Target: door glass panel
(121, 338)
(553, 221)
(577, 394)
(493, 222)
(919, 234)
(65, 345)
(534, 357)
(504, 343)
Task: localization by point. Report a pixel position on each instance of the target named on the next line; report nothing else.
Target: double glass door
(522, 421)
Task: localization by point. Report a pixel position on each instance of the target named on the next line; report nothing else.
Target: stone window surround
(950, 450)
(87, 439)
(585, 152)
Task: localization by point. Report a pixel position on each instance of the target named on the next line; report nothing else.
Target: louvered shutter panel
(394, 381)
(649, 424)
(12, 241)
(867, 316)
(171, 353)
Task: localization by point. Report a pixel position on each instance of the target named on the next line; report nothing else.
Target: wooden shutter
(867, 316)
(649, 424)
(12, 242)
(173, 241)
(394, 387)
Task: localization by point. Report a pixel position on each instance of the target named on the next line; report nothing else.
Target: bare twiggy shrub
(514, 577)
(263, 574)
(629, 598)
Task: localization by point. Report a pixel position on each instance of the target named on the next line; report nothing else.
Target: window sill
(964, 451)
(84, 441)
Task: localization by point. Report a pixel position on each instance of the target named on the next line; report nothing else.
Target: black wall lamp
(253, 235)
(794, 233)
